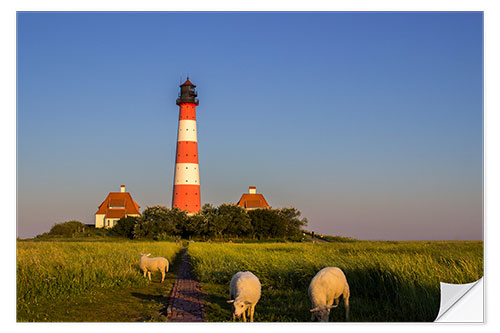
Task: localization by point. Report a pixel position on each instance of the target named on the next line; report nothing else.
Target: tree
(290, 217)
(68, 229)
(125, 226)
(276, 222)
(236, 220)
(262, 221)
(193, 226)
(207, 225)
(158, 221)
(225, 220)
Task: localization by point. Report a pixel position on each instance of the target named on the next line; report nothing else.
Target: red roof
(118, 199)
(187, 83)
(253, 201)
(115, 213)
(117, 202)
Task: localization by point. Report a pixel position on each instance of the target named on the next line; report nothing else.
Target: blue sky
(369, 123)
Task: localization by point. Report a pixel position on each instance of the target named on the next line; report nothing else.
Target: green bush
(68, 229)
(125, 226)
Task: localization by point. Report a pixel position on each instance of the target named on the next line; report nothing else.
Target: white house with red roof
(114, 207)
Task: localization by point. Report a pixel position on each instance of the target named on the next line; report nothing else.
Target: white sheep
(244, 293)
(326, 287)
(153, 264)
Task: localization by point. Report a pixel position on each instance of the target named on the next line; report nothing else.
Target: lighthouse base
(187, 198)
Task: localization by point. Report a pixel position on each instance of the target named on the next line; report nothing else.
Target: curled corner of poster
(461, 303)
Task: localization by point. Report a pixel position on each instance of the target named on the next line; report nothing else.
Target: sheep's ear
(248, 302)
(331, 306)
(147, 255)
(231, 301)
(316, 309)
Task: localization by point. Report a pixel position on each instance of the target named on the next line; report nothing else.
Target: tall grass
(390, 281)
(46, 270)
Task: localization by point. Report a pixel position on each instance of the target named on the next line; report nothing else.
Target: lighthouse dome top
(187, 83)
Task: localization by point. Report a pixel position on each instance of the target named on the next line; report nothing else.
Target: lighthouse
(186, 194)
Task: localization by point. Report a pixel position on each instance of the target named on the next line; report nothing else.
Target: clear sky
(368, 123)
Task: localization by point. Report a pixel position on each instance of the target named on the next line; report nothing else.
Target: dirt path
(185, 303)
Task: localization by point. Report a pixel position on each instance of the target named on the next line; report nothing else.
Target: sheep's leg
(244, 317)
(234, 317)
(252, 312)
(345, 296)
(162, 275)
(149, 275)
(145, 273)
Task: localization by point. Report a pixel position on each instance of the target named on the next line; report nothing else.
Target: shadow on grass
(216, 307)
(157, 298)
(273, 306)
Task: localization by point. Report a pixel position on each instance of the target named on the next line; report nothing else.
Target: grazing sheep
(244, 293)
(326, 287)
(153, 264)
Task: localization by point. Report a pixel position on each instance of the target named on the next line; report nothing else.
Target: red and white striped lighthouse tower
(186, 195)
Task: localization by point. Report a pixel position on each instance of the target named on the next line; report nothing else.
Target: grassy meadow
(100, 280)
(85, 280)
(389, 281)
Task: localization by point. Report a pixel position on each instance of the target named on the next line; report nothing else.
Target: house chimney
(252, 190)
(122, 188)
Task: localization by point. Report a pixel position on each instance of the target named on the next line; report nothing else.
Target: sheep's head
(322, 312)
(239, 306)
